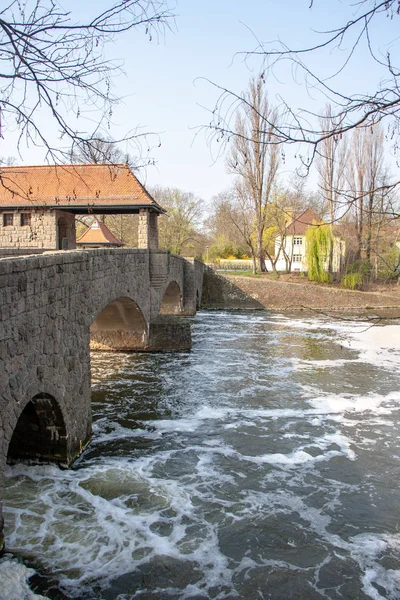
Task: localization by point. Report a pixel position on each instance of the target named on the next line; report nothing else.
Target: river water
(264, 464)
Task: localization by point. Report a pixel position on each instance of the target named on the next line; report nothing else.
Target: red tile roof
(78, 188)
(98, 233)
(301, 223)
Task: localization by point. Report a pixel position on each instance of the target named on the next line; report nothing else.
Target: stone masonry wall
(47, 304)
(153, 230)
(220, 293)
(42, 232)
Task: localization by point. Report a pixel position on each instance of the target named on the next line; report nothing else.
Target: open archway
(40, 434)
(62, 234)
(120, 326)
(172, 301)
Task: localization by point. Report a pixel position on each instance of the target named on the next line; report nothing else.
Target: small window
(8, 219)
(25, 219)
(296, 257)
(297, 241)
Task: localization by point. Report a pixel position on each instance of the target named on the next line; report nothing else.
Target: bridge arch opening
(172, 301)
(119, 327)
(40, 434)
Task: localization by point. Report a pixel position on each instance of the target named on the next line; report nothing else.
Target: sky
(166, 88)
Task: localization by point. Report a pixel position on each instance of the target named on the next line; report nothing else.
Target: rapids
(263, 464)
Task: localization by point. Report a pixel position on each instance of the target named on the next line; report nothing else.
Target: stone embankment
(238, 292)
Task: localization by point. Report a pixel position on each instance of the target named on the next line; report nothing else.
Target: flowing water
(264, 464)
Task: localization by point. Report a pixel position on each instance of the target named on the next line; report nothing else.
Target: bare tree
(54, 66)
(179, 228)
(224, 236)
(366, 174)
(242, 216)
(331, 163)
(254, 158)
(101, 150)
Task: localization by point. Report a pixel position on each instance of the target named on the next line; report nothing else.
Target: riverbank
(236, 291)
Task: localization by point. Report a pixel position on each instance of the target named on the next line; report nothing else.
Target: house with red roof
(290, 248)
(38, 204)
(97, 235)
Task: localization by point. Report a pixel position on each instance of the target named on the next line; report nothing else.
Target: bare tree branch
(350, 110)
(54, 68)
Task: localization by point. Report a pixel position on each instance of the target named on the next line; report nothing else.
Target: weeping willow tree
(319, 243)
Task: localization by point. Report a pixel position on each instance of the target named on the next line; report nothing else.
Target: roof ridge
(108, 235)
(62, 166)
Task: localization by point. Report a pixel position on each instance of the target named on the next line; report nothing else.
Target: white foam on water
(301, 456)
(115, 431)
(14, 578)
(367, 549)
(376, 404)
(95, 538)
(176, 425)
(120, 514)
(310, 365)
(378, 346)
(333, 406)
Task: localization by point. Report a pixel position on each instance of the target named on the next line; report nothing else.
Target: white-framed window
(297, 257)
(297, 241)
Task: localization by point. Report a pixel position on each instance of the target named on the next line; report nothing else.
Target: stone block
(169, 333)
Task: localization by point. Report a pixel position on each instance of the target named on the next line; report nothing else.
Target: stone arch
(40, 434)
(119, 326)
(171, 303)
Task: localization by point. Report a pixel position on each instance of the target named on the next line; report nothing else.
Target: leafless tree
(53, 68)
(242, 216)
(179, 228)
(331, 163)
(366, 174)
(254, 159)
(224, 236)
(101, 150)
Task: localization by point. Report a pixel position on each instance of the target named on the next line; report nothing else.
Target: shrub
(363, 267)
(389, 264)
(352, 281)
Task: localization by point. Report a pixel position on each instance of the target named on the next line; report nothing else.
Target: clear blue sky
(164, 92)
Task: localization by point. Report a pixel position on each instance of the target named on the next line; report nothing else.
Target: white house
(291, 253)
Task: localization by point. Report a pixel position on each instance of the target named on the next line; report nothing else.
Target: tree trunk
(273, 263)
(330, 256)
(369, 225)
(253, 258)
(261, 263)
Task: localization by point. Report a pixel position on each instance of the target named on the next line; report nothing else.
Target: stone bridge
(53, 307)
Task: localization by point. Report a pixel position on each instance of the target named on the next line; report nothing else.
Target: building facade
(38, 204)
(291, 248)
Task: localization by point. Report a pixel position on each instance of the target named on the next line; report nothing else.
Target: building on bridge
(38, 204)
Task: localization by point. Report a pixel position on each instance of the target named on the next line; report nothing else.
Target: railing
(232, 265)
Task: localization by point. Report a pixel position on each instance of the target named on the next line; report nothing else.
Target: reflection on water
(263, 464)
